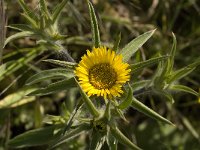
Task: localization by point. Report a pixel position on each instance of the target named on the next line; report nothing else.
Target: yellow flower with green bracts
(102, 72)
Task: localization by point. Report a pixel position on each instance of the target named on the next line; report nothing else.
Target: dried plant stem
(2, 28)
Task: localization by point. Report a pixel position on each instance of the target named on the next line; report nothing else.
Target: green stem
(93, 110)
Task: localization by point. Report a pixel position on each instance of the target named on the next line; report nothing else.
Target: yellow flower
(102, 73)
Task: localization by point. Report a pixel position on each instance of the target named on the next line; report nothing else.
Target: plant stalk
(2, 28)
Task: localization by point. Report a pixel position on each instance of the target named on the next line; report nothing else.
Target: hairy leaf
(127, 102)
(36, 137)
(122, 138)
(55, 87)
(17, 98)
(58, 10)
(141, 65)
(147, 111)
(184, 89)
(50, 74)
(94, 26)
(70, 65)
(70, 135)
(134, 45)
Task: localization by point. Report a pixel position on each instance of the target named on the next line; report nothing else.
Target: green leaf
(122, 138)
(177, 75)
(32, 22)
(167, 95)
(141, 65)
(27, 10)
(134, 45)
(17, 98)
(190, 127)
(168, 66)
(70, 135)
(172, 55)
(77, 15)
(111, 141)
(20, 27)
(2, 69)
(43, 7)
(184, 89)
(70, 65)
(17, 36)
(50, 74)
(116, 44)
(93, 110)
(55, 87)
(127, 102)
(94, 26)
(149, 112)
(36, 137)
(33, 52)
(140, 84)
(120, 113)
(51, 119)
(58, 10)
(97, 141)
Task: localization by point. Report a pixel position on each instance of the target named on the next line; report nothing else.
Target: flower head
(102, 73)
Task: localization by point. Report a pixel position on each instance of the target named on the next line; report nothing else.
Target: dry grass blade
(2, 28)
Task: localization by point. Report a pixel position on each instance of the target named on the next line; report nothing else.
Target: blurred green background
(130, 18)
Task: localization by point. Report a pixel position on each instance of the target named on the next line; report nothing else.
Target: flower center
(102, 76)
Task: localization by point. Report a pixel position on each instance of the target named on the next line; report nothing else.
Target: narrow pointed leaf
(120, 113)
(190, 127)
(94, 26)
(77, 14)
(2, 28)
(20, 27)
(147, 111)
(116, 44)
(93, 110)
(36, 137)
(184, 89)
(140, 84)
(134, 45)
(172, 55)
(17, 97)
(168, 96)
(177, 75)
(21, 62)
(43, 7)
(111, 141)
(32, 22)
(17, 36)
(58, 10)
(70, 135)
(70, 65)
(127, 102)
(141, 65)
(55, 87)
(50, 74)
(27, 10)
(97, 141)
(122, 138)
(2, 69)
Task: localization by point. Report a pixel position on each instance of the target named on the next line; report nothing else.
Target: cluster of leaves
(87, 116)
